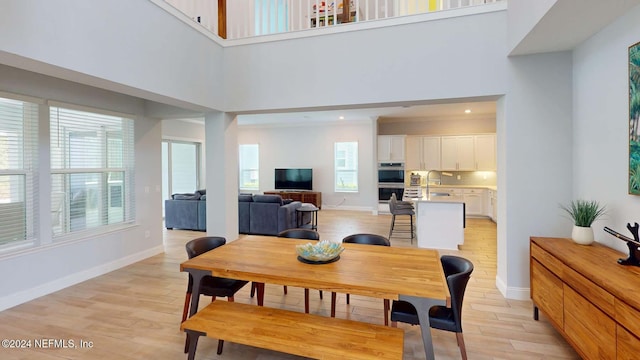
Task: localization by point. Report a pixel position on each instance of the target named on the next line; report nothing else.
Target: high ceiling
(437, 111)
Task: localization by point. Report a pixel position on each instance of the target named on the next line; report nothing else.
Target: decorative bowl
(321, 251)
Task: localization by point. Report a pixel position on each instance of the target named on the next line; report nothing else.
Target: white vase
(582, 235)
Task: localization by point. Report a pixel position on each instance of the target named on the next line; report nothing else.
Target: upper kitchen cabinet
(423, 153)
(458, 153)
(391, 148)
(485, 146)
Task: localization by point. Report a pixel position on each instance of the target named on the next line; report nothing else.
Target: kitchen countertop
(441, 199)
(489, 187)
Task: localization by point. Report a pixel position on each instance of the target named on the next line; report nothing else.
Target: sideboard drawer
(591, 330)
(547, 260)
(592, 292)
(627, 316)
(628, 345)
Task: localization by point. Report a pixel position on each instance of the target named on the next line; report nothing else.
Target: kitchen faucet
(429, 173)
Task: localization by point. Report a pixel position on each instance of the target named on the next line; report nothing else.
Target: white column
(221, 163)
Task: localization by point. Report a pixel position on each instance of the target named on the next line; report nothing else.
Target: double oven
(390, 181)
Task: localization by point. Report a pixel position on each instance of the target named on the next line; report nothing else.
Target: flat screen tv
(294, 179)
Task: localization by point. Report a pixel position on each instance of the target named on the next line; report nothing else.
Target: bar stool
(398, 208)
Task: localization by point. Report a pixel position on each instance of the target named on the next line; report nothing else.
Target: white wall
(32, 273)
(601, 125)
(409, 62)
(523, 17)
(311, 146)
(132, 47)
(534, 170)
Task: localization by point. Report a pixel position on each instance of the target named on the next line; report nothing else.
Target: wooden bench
(295, 333)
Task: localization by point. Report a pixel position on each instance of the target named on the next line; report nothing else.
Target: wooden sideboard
(312, 197)
(587, 296)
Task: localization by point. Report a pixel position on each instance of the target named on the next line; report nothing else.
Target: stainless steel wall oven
(390, 181)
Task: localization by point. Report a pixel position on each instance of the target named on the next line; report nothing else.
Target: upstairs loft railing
(236, 19)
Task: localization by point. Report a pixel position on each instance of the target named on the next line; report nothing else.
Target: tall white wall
(32, 273)
(535, 170)
(129, 46)
(400, 63)
(523, 17)
(311, 146)
(601, 125)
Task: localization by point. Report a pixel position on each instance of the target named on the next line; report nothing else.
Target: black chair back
(457, 270)
(201, 245)
(300, 234)
(367, 239)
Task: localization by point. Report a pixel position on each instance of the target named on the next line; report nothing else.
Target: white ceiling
(437, 111)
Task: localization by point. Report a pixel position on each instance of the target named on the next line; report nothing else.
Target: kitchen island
(440, 221)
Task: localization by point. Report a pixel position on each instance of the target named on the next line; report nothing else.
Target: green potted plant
(583, 213)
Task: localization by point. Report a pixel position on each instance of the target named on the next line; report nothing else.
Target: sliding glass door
(180, 168)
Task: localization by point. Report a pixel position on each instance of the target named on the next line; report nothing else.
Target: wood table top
(375, 271)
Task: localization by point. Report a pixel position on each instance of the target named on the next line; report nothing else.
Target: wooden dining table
(395, 273)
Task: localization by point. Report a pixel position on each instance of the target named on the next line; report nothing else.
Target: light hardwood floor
(134, 312)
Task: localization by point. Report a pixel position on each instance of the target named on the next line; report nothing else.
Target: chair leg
(285, 289)
(463, 349)
(253, 289)
(393, 221)
(333, 304)
(306, 301)
(386, 312)
(347, 299)
(220, 345)
(394, 324)
(320, 294)
(230, 299)
(411, 220)
(185, 311)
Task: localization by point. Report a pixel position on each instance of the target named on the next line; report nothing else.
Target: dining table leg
(422, 306)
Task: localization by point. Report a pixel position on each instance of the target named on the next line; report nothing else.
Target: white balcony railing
(248, 18)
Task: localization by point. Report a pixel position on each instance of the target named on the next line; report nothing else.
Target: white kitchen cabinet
(423, 153)
(485, 152)
(458, 153)
(391, 148)
(474, 200)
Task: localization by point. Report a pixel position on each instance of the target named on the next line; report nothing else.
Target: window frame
(106, 190)
(346, 167)
(242, 170)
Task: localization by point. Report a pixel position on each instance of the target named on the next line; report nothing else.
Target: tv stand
(305, 196)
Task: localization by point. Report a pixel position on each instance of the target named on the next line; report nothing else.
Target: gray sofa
(257, 214)
(266, 214)
(186, 211)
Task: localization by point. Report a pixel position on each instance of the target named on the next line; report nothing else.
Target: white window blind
(92, 170)
(248, 160)
(18, 172)
(346, 166)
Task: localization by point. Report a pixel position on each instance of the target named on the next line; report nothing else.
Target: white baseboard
(59, 284)
(351, 208)
(514, 293)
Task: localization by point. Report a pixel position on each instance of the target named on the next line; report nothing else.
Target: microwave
(391, 173)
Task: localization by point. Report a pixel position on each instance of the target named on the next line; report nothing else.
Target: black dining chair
(364, 239)
(210, 285)
(457, 270)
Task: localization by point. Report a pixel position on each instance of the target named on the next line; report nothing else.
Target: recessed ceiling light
(341, 118)
(468, 111)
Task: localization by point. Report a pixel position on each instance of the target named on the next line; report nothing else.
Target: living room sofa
(266, 214)
(257, 214)
(186, 211)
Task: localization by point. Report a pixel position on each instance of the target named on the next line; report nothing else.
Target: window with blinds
(248, 160)
(18, 172)
(346, 166)
(92, 170)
